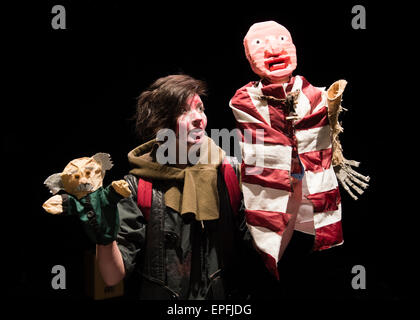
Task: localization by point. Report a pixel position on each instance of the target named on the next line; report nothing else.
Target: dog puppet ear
(54, 183)
(105, 160)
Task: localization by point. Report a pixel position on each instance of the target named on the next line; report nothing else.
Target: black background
(69, 93)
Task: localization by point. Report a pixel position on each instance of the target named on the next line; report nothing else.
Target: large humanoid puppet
(291, 153)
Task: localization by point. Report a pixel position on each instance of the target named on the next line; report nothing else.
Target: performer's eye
(200, 107)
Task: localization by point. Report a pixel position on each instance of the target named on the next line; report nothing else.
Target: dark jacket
(177, 257)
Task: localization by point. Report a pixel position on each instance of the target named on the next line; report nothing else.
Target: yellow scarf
(189, 190)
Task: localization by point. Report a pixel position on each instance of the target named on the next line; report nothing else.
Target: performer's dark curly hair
(160, 105)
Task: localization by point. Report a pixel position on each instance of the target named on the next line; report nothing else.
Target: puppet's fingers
(349, 191)
(54, 205)
(352, 163)
(357, 174)
(358, 182)
(121, 187)
(346, 187)
(354, 186)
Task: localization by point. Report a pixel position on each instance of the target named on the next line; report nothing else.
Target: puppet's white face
(270, 51)
(82, 176)
(191, 124)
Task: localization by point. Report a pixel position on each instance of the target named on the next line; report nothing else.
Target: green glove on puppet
(85, 196)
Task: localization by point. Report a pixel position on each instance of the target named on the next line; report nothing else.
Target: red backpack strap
(232, 184)
(144, 197)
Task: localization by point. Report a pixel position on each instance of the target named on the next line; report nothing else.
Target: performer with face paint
(180, 231)
(290, 183)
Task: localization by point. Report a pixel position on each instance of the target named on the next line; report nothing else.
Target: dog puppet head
(81, 176)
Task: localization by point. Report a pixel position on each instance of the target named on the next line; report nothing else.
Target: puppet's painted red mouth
(277, 63)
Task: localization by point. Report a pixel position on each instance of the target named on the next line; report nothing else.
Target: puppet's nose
(273, 46)
(83, 180)
(274, 53)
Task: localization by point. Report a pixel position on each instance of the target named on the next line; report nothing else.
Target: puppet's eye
(87, 173)
(256, 41)
(97, 171)
(76, 176)
(283, 38)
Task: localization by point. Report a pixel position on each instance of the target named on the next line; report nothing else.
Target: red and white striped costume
(266, 194)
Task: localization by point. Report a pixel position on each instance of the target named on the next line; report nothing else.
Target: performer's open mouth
(277, 63)
(196, 134)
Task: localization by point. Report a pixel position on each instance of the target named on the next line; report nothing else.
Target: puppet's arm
(54, 205)
(342, 167)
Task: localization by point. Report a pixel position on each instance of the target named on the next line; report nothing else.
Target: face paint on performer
(270, 51)
(192, 123)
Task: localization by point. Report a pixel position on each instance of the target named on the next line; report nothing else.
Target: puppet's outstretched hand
(54, 205)
(342, 167)
(350, 178)
(121, 187)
